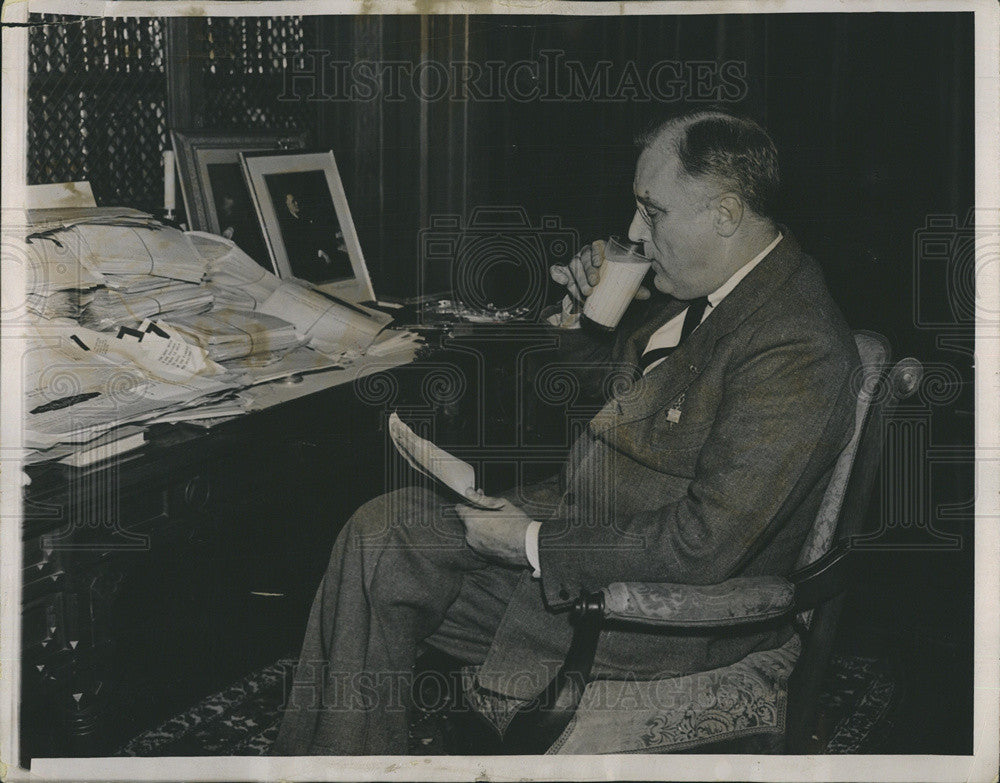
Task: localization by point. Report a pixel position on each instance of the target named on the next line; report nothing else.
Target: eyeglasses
(646, 217)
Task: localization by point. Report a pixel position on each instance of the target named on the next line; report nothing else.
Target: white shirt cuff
(531, 547)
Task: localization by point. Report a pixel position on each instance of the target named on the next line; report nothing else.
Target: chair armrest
(737, 601)
(825, 578)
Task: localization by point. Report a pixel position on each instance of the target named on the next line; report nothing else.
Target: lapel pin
(674, 414)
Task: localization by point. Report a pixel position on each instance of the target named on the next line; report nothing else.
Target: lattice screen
(98, 95)
(244, 62)
(97, 106)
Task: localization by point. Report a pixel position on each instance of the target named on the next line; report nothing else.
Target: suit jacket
(712, 465)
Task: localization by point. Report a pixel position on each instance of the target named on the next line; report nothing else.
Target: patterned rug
(856, 714)
(859, 706)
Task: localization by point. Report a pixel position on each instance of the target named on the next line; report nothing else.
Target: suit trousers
(400, 574)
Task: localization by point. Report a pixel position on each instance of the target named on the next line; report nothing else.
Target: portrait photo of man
(309, 228)
(237, 218)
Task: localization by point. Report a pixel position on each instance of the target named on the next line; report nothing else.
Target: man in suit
(710, 465)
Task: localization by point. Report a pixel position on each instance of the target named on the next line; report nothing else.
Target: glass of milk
(621, 273)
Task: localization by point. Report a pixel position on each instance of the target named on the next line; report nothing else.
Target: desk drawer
(99, 524)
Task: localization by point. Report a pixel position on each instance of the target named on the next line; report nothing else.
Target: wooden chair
(764, 703)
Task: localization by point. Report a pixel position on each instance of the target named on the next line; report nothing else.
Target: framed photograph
(215, 193)
(307, 223)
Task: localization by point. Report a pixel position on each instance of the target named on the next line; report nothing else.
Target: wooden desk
(154, 578)
(168, 574)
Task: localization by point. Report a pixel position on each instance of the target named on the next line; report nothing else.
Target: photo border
(982, 765)
(256, 166)
(192, 149)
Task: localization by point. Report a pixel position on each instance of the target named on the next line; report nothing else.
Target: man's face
(675, 222)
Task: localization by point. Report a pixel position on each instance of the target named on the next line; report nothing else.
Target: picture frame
(306, 220)
(215, 194)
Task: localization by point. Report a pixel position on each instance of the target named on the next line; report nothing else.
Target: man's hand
(496, 533)
(583, 272)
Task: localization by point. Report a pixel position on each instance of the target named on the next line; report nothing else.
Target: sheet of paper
(390, 341)
(60, 450)
(432, 461)
(329, 327)
(157, 354)
(88, 456)
(213, 409)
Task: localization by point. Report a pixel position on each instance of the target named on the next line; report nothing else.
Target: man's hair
(733, 150)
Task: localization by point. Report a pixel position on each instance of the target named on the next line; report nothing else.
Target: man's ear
(728, 214)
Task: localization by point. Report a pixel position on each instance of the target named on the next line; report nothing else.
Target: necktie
(692, 317)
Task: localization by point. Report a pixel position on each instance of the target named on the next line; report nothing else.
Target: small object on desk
(169, 193)
(292, 379)
(446, 309)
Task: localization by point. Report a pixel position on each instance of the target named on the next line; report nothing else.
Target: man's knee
(408, 515)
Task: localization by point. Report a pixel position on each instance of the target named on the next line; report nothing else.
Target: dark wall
(872, 114)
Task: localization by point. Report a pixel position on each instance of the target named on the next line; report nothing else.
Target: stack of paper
(235, 279)
(112, 269)
(47, 219)
(110, 308)
(59, 304)
(264, 368)
(329, 326)
(134, 319)
(137, 284)
(79, 383)
(128, 250)
(57, 285)
(231, 334)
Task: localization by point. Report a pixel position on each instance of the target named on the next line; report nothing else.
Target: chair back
(841, 517)
(875, 354)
